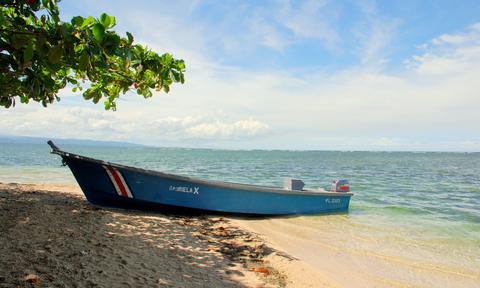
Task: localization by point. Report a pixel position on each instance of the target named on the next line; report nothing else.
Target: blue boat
(115, 185)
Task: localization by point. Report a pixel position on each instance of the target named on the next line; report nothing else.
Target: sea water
(414, 219)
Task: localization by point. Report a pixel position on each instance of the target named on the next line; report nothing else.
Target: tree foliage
(40, 54)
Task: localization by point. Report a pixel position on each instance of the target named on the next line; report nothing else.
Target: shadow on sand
(66, 242)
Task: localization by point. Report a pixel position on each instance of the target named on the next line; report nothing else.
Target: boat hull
(108, 184)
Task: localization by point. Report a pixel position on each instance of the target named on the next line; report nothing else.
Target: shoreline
(342, 257)
(52, 237)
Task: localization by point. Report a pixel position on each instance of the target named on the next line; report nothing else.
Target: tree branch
(23, 32)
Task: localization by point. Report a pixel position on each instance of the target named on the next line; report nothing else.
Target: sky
(297, 75)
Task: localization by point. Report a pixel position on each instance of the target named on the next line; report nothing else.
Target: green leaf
(48, 82)
(167, 59)
(87, 95)
(112, 21)
(77, 21)
(8, 102)
(107, 21)
(66, 30)
(88, 21)
(97, 96)
(20, 21)
(72, 80)
(53, 11)
(101, 64)
(2, 19)
(83, 61)
(79, 48)
(28, 53)
(130, 38)
(98, 32)
(181, 65)
(55, 53)
(110, 43)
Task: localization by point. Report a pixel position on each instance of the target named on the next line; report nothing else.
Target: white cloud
(127, 125)
(58, 121)
(201, 127)
(277, 26)
(374, 34)
(385, 142)
(219, 130)
(267, 34)
(449, 54)
(67, 92)
(311, 20)
(471, 35)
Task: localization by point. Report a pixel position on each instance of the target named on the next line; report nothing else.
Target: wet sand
(50, 236)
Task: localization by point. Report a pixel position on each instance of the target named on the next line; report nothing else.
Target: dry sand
(50, 236)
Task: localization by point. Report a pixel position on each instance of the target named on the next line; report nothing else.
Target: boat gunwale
(215, 183)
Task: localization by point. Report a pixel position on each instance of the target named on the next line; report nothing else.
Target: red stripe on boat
(119, 182)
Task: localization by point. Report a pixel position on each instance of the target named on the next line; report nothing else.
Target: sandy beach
(52, 237)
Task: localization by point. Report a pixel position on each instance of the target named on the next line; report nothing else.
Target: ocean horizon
(13, 139)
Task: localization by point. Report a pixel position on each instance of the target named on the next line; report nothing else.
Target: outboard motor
(340, 186)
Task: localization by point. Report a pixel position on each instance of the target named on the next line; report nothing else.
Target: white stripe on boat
(118, 183)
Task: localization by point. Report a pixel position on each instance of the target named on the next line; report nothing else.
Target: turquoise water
(409, 206)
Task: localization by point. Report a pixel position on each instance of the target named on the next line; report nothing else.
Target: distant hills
(60, 141)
